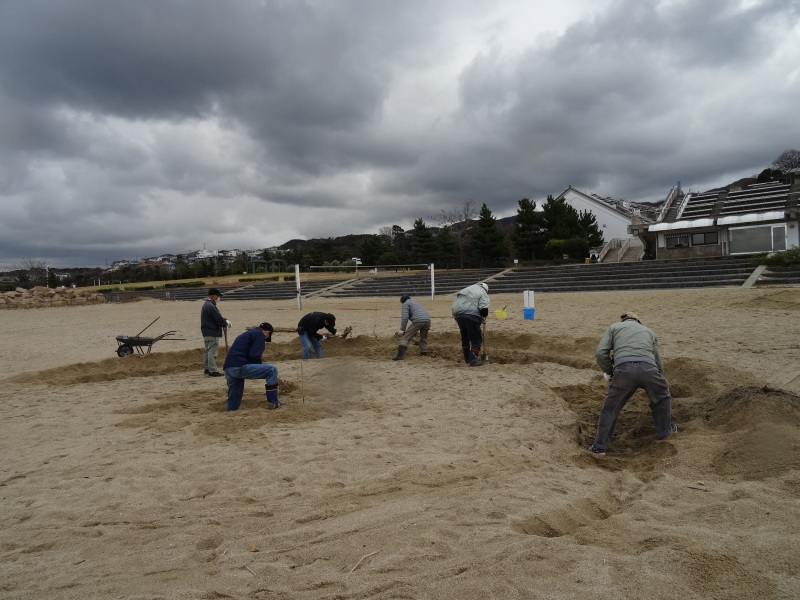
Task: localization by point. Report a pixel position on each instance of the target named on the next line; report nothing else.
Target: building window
(707, 237)
(759, 238)
(678, 240)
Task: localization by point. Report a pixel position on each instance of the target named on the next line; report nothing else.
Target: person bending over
(307, 330)
(628, 355)
(470, 309)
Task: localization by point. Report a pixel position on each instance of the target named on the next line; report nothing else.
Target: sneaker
(275, 405)
(596, 451)
(672, 429)
(205, 371)
(215, 374)
(476, 362)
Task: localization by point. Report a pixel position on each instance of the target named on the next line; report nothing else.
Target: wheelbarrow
(128, 344)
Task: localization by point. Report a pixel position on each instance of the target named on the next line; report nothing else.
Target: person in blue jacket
(244, 362)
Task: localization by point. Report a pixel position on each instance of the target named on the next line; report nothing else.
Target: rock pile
(42, 297)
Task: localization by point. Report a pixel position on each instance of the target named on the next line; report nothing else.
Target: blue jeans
(309, 343)
(235, 377)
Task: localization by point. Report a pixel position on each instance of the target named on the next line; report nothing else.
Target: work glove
(400, 333)
(607, 377)
(229, 324)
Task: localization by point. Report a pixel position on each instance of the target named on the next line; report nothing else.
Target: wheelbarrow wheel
(124, 350)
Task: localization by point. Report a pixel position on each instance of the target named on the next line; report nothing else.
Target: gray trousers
(211, 346)
(411, 330)
(629, 377)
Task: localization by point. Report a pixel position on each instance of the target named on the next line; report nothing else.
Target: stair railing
(610, 245)
(623, 249)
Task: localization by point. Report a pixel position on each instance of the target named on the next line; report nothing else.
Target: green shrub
(784, 258)
(270, 278)
(553, 248)
(576, 248)
(185, 284)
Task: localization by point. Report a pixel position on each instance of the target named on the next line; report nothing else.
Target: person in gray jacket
(470, 309)
(628, 355)
(414, 319)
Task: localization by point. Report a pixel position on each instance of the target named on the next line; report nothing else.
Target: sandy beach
(418, 479)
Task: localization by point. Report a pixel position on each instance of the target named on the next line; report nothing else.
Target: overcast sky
(133, 128)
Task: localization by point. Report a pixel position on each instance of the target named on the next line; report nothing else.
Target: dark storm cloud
(137, 128)
(622, 95)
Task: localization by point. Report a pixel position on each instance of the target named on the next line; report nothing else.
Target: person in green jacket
(628, 355)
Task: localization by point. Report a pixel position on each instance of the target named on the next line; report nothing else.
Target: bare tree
(36, 270)
(386, 232)
(458, 220)
(788, 160)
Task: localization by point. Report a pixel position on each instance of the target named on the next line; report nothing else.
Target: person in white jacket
(470, 309)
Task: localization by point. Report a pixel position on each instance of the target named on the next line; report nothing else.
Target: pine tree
(527, 236)
(488, 241)
(423, 244)
(447, 249)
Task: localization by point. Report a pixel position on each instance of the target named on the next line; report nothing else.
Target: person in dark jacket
(211, 324)
(244, 362)
(307, 330)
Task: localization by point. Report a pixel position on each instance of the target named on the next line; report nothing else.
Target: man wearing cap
(244, 362)
(307, 330)
(413, 319)
(470, 309)
(628, 355)
(211, 324)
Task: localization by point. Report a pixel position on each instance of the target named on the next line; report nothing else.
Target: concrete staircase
(419, 285)
(650, 274)
(779, 276)
(631, 254)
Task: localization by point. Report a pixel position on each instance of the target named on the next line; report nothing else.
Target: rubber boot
(401, 351)
(467, 355)
(475, 359)
(272, 397)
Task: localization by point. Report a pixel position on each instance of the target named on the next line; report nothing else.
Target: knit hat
(404, 298)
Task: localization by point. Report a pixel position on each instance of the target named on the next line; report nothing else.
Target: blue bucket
(527, 313)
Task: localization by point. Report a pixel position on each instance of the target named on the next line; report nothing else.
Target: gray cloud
(131, 129)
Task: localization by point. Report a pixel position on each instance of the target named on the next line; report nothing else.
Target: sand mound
(762, 432)
(421, 478)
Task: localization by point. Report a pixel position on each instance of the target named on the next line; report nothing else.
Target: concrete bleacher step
(779, 276)
(655, 274)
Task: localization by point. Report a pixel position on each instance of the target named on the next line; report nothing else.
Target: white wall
(610, 222)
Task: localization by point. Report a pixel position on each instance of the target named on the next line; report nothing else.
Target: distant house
(613, 216)
(744, 218)
(614, 219)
